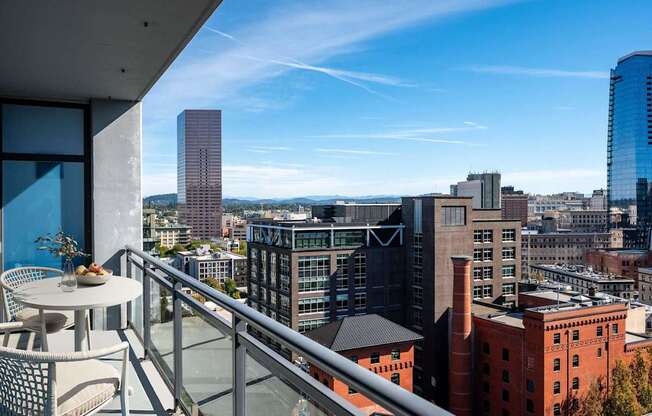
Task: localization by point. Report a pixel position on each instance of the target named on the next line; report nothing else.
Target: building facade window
(556, 409)
(342, 271)
(310, 324)
(360, 270)
(360, 300)
(529, 385)
(614, 328)
(509, 271)
(505, 354)
(453, 216)
(417, 317)
(396, 354)
(272, 270)
(505, 395)
(556, 364)
(576, 361)
(342, 302)
(313, 305)
(505, 376)
(477, 273)
(417, 296)
(477, 292)
(284, 273)
(487, 291)
(598, 331)
(509, 289)
(374, 358)
(509, 253)
(556, 338)
(509, 235)
(396, 378)
(576, 335)
(556, 387)
(576, 383)
(314, 273)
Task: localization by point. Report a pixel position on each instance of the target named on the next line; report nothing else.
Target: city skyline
(422, 98)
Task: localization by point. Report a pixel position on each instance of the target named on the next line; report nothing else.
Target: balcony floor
(151, 395)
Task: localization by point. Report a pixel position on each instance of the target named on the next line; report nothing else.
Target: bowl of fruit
(92, 275)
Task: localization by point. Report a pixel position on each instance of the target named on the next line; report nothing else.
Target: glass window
(284, 272)
(477, 273)
(40, 198)
(452, 216)
(360, 300)
(556, 364)
(556, 387)
(342, 271)
(505, 354)
(477, 292)
(354, 358)
(615, 328)
(509, 253)
(509, 271)
(576, 335)
(375, 358)
(556, 409)
(42, 130)
(350, 238)
(529, 405)
(487, 291)
(396, 378)
(360, 270)
(509, 235)
(396, 354)
(509, 288)
(312, 239)
(529, 385)
(313, 305)
(505, 395)
(576, 383)
(599, 352)
(342, 302)
(417, 296)
(576, 360)
(485, 347)
(506, 376)
(314, 273)
(556, 338)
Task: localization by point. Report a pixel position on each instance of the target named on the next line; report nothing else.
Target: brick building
(537, 361)
(551, 248)
(621, 262)
(374, 343)
(513, 204)
(437, 228)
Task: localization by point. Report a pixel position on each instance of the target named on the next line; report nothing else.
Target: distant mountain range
(170, 200)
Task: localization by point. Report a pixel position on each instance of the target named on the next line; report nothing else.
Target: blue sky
(398, 97)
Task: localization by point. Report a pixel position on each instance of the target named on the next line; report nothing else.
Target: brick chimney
(460, 377)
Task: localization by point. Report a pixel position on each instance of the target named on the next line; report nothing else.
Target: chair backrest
(15, 278)
(26, 384)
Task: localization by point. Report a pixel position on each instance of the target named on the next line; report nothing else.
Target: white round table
(46, 294)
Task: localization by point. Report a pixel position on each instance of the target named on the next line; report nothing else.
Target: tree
(592, 402)
(621, 397)
(640, 379)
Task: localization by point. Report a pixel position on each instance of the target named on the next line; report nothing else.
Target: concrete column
(460, 377)
(116, 128)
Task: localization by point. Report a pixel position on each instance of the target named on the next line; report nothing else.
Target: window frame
(86, 159)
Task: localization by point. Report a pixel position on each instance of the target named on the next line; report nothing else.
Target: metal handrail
(381, 391)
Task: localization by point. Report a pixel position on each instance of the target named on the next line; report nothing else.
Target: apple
(80, 270)
(95, 268)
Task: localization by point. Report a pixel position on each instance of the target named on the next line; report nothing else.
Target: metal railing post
(147, 311)
(239, 367)
(177, 344)
(128, 275)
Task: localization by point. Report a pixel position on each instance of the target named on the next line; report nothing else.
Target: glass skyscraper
(629, 143)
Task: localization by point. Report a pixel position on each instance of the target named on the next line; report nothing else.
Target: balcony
(186, 357)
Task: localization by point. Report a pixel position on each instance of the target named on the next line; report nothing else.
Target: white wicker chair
(53, 321)
(60, 384)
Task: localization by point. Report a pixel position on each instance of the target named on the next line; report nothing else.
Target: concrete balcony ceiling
(82, 49)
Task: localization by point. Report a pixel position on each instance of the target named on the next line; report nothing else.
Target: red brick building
(538, 361)
(621, 262)
(373, 342)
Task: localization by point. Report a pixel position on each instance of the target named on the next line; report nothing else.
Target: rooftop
(353, 332)
(582, 272)
(635, 53)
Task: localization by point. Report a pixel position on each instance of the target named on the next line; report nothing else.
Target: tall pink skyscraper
(199, 172)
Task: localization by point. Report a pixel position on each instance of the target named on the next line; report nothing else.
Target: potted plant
(64, 246)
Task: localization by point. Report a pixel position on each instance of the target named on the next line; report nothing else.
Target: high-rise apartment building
(199, 172)
(629, 140)
(437, 228)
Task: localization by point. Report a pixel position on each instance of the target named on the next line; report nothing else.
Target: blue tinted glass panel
(47, 130)
(40, 198)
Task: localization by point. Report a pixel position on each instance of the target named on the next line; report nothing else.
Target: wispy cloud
(354, 152)
(271, 148)
(422, 135)
(535, 72)
(311, 33)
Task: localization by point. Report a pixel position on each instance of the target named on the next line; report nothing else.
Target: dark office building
(629, 141)
(437, 228)
(306, 274)
(199, 172)
(483, 187)
(358, 213)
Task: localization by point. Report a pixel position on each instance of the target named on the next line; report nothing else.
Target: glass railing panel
(161, 328)
(207, 373)
(136, 317)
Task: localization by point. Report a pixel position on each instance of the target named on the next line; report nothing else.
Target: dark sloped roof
(361, 331)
